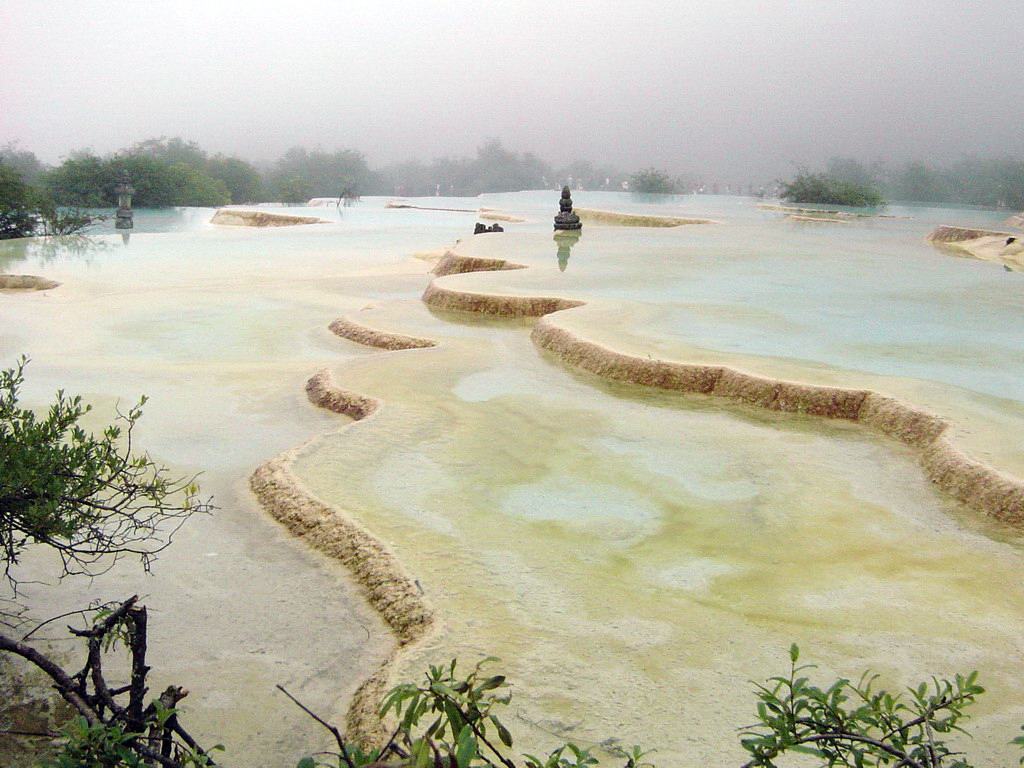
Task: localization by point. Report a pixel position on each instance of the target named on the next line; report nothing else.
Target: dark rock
(480, 229)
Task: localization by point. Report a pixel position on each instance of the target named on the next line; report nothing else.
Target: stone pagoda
(566, 219)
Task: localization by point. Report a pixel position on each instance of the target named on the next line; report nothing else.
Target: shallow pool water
(635, 557)
(625, 551)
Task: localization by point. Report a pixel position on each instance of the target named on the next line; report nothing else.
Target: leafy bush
(465, 732)
(17, 218)
(651, 181)
(859, 725)
(829, 189)
(25, 212)
(88, 497)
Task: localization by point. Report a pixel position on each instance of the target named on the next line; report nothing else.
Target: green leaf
(503, 732)
(443, 690)
(435, 729)
(421, 753)
(466, 749)
(494, 682)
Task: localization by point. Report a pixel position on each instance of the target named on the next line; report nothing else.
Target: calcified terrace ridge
(396, 595)
(26, 283)
(978, 486)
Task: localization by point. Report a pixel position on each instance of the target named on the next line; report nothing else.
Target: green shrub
(16, 201)
(829, 189)
(651, 181)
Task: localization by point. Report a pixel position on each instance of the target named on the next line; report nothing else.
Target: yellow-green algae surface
(635, 557)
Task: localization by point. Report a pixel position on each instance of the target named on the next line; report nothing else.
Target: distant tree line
(493, 169)
(175, 172)
(988, 182)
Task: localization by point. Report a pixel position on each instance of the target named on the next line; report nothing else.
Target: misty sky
(728, 88)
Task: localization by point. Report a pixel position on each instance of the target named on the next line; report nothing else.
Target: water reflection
(44, 250)
(565, 240)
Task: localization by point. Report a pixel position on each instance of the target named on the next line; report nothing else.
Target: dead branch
(156, 733)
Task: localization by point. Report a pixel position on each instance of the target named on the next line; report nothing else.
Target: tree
(54, 220)
(853, 171)
(917, 182)
(845, 724)
(88, 497)
(493, 169)
(205, 180)
(827, 189)
(199, 188)
(23, 161)
(651, 181)
(300, 174)
(82, 179)
(25, 211)
(240, 178)
(92, 500)
(172, 151)
(16, 201)
(164, 173)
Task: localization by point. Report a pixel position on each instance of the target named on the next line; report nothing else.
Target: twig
(54, 618)
(38, 734)
(324, 723)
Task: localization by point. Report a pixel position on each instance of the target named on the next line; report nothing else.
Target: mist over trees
(831, 188)
(300, 174)
(493, 169)
(171, 172)
(176, 172)
(652, 181)
(989, 182)
(164, 172)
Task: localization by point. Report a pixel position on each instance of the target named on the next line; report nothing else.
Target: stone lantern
(124, 190)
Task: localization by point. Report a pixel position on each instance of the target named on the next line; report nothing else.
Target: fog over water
(726, 87)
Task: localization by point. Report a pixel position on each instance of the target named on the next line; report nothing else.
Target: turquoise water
(861, 296)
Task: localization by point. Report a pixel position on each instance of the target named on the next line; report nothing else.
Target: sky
(725, 89)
